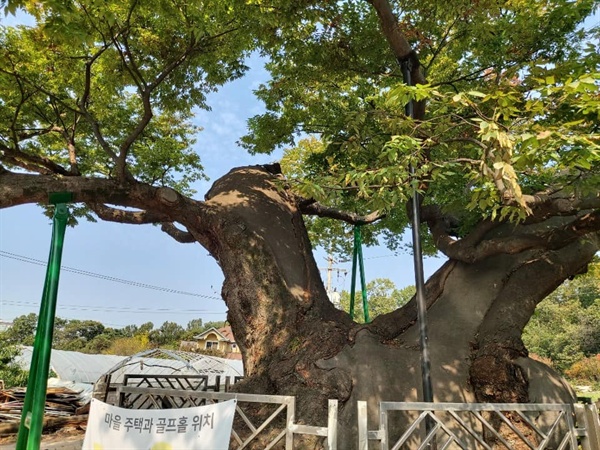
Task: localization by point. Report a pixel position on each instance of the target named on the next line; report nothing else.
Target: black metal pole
(405, 64)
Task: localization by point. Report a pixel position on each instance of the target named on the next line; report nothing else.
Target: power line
(390, 255)
(116, 309)
(39, 262)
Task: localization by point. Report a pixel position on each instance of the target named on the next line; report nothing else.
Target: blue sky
(143, 254)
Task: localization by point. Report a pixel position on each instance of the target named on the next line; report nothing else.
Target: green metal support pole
(30, 429)
(353, 282)
(363, 283)
(357, 255)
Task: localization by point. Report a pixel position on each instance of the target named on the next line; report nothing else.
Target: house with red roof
(216, 341)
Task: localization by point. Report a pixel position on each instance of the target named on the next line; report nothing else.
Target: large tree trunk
(295, 342)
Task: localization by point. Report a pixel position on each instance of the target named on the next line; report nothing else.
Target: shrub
(128, 346)
(10, 372)
(585, 370)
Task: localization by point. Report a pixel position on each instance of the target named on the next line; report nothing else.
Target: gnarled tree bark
(295, 342)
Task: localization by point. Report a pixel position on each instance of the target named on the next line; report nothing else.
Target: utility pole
(329, 285)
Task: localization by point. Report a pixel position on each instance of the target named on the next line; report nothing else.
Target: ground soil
(64, 434)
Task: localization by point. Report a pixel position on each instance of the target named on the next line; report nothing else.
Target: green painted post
(357, 255)
(30, 429)
(353, 282)
(363, 283)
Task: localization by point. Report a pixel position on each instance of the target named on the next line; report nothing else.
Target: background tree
(134, 340)
(145, 328)
(22, 331)
(213, 324)
(102, 342)
(97, 99)
(566, 326)
(194, 325)
(193, 328)
(130, 330)
(382, 295)
(87, 336)
(76, 334)
(168, 335)
(11, 373)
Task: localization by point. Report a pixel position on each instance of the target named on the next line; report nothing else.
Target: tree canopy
(97, 98)
(107, 90)
(512, 115)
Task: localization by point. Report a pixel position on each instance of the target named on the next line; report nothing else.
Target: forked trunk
(295, 342)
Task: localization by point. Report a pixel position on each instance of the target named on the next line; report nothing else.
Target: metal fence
(431, 426)
(188, 382)
(180, 382)
(277, 425)
(472, 426)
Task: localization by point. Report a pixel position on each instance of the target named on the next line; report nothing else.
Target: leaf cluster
(488, 143)
(104, 89)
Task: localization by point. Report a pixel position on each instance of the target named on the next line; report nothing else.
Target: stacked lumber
(60, 402)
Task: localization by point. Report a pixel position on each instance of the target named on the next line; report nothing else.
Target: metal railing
(472, 426)
(469, 426)
(280, 420)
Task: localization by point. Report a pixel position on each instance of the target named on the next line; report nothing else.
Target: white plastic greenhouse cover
(73, 366)
(172, 362)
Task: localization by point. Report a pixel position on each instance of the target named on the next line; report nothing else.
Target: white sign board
(197, 428)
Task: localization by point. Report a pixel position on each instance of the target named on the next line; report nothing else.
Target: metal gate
(473, 426)
(279, 423)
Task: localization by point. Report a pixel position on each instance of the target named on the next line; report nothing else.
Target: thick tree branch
(129, 63)
(400, 46)
(24, 134)
(134, 135)
(24, 98)
(183, 237)
(145, 90)
(68, 133)
(443, 42)
(585, 224)
(88, 76)
(98, 135)
(544, 204)
(119, 215)
(159, 204)
(72, 148)
(91, 120)
(311, 208)
(479, 73)
(32, 162)
(24, 165)
(475, 248)
(50, 94)
(391, 325)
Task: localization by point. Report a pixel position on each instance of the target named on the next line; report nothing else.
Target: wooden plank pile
(60, 402)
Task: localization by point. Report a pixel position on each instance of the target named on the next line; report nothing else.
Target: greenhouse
(173, 362)
(73, 366)
(161, 368)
